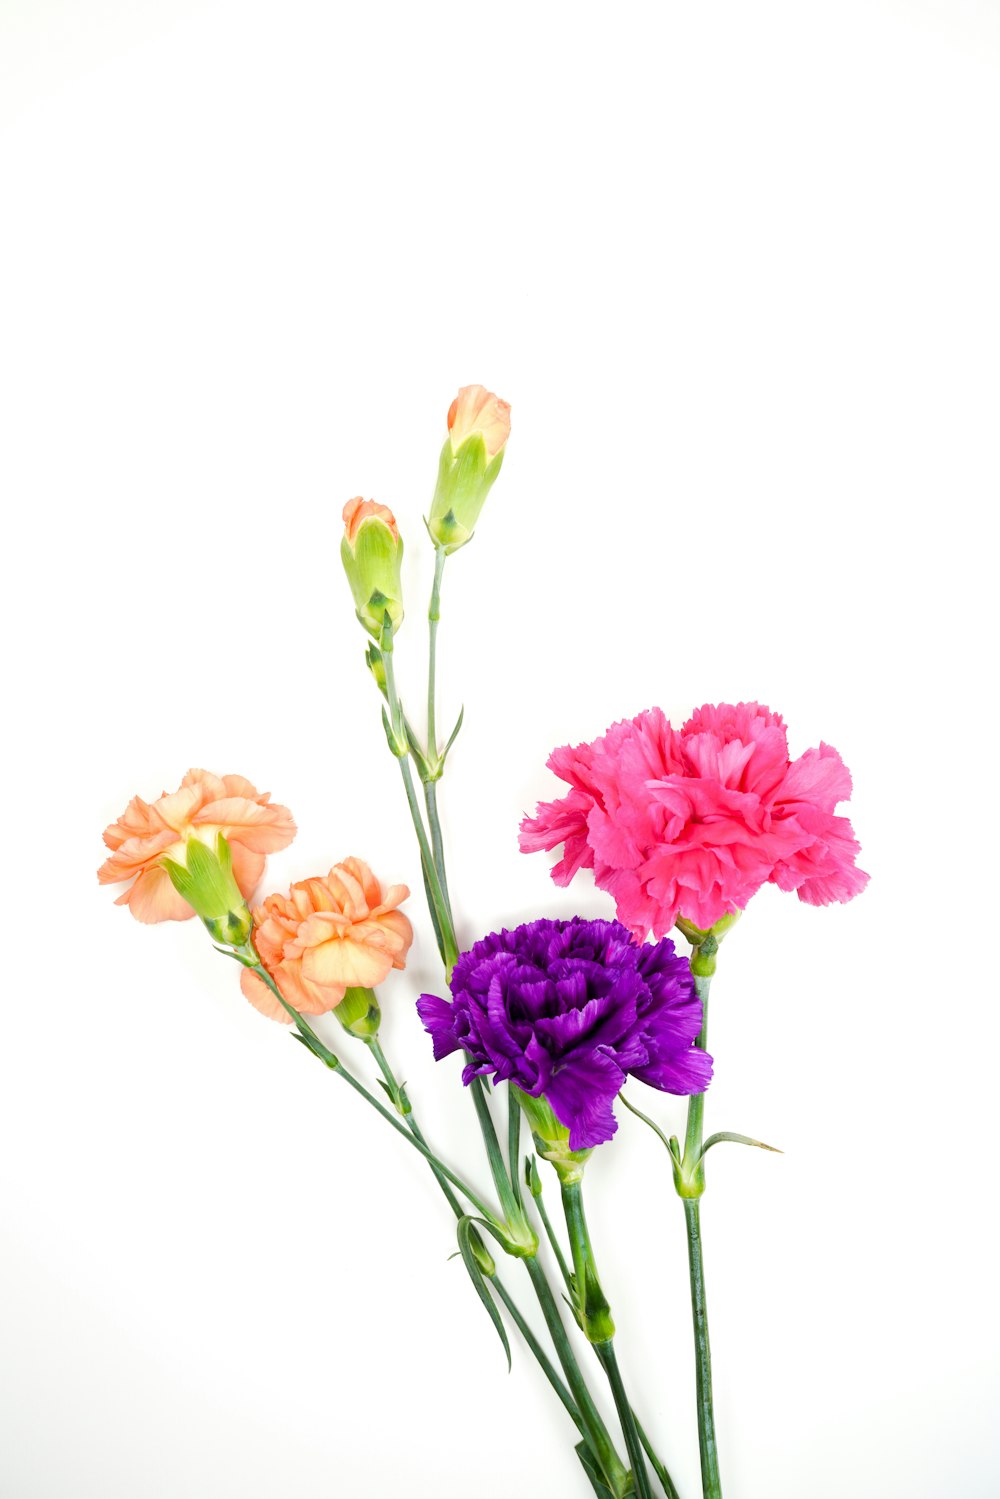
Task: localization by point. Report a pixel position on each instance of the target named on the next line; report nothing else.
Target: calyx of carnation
(478, 429)
(567, 1011)
(205, 880)
(372, 553)
(692, 822)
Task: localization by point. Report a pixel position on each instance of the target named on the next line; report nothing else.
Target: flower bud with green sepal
(372, 552)
(359, 1013)
(205, 880)
(478, 428)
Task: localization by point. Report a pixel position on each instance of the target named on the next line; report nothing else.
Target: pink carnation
(693, 822)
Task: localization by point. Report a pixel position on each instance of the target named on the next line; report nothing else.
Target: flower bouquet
(557, 1022)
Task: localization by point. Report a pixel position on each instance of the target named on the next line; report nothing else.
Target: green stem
(550, 1234)
(399, 1091)
(711, 1482)
(597, 1323)
(320, 1049)
(433, 618)
(591, 1302)
(658, 1466)
(437, 842)
(440, 907)
(544, 1362)
(597, 1435)
(609, 1362)
(690, 1180)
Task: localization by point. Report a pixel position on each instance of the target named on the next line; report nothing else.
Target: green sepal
(465, 477)
(205, 880)
(466, 1227)
(359, 1014)
(372, 566)
(551, 1137)
(532, 1179)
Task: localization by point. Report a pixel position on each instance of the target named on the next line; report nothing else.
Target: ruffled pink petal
(818, 777)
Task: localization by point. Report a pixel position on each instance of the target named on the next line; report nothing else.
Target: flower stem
(440, 907)
(550, 1234)
(689, 1178)
(320, 1050)
(397, 1089)
(711, 1483)
(433, 619)
(594, 1313)
(597, 1435)
(514, 1311)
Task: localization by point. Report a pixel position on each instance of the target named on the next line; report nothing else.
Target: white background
(736, 268)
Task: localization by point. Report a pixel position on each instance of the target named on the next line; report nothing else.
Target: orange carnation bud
(478, 429)
(372, 551)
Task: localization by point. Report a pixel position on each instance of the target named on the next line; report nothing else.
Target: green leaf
(722, 1135)
(592, 1471)
(454, 733)
(466, 1227)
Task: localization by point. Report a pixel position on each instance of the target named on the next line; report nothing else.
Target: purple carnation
(570, 1009)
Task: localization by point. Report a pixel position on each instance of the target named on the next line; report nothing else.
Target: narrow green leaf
(592, 1471)
(722, 1135)
(466, 1227)
(454, 733)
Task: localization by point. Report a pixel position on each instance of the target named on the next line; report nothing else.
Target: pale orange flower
(204, 806)
(476, 409)
(329, 934)
(358, 510)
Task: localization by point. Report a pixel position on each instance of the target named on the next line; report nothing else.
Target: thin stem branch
(597, 1435)
(711, 1482)
(433, 618)
(609, 1362)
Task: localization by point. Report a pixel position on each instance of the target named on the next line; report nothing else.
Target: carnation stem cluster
(554, 1022)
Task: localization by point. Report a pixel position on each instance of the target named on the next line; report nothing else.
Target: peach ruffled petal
(347, 963)
(260, 996)
(153, 898)
(264, 829)
(248, 867)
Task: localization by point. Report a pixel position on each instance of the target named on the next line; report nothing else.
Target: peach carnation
(476, 409)
(328, 935)
(358, 510)
(203, 806)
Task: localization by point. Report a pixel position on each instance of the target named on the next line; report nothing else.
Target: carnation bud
(206, 882)
(551, 1138)
(478, 428)
(359, 1014)
(371, 551)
